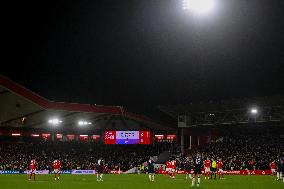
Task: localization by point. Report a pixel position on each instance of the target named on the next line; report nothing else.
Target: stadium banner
(9, 172)
(229, 172)
(83, 172)
(256, 172)
(63, 172)
(117, 172)
(38, 172)
(234, 172)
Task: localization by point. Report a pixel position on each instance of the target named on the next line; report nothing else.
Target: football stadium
(143, 94)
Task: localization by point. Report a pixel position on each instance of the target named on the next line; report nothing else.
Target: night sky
(139, 53)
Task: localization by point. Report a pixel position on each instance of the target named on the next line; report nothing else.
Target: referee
(213, 168)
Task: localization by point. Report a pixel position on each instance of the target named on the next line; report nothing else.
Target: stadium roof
(22, 107)
(233, 111)
(225, 105)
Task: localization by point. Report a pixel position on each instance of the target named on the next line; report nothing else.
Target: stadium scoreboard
(127, 137)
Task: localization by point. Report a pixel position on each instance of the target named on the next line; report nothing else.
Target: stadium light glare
(159, 135)
(254, 111)
(199, 6)
(16, 134)
(54, 121)
(84, 123)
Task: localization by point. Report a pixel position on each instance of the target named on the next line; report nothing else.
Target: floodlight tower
(253, 111)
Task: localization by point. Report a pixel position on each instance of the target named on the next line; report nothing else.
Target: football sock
(193, 180)
(278, 175)
(198, 180)
(149, 177)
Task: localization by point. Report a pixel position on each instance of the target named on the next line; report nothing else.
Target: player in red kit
(220, 168)
(207, 164)
(168, 167)
(273, 167)
(161, 169)
(56, 169)
(173, 167)
(32, 168)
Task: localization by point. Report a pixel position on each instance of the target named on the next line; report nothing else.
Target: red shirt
(220, 164)
(161, 170)
(273, 165)
(33, 164)
(174, 164)
(207, 163)
(168, 164)
(56, 164)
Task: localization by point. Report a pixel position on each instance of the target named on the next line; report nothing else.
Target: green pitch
(136, 182)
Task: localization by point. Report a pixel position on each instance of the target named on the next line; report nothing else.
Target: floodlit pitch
(136, 182)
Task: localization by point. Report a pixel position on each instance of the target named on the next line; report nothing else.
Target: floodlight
(84, 123)
(80, 123)
(254, 111)
(199, 6)
(54, 121)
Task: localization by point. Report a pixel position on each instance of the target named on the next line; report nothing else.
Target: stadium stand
(76, 155)
(24, 123)
(238, 151)
(223, 136)
(227, 129)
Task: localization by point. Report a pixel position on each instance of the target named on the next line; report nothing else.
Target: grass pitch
(136, 182)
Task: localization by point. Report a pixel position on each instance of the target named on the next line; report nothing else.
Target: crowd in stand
(237, 152)
(245, 151)
(76, 155)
